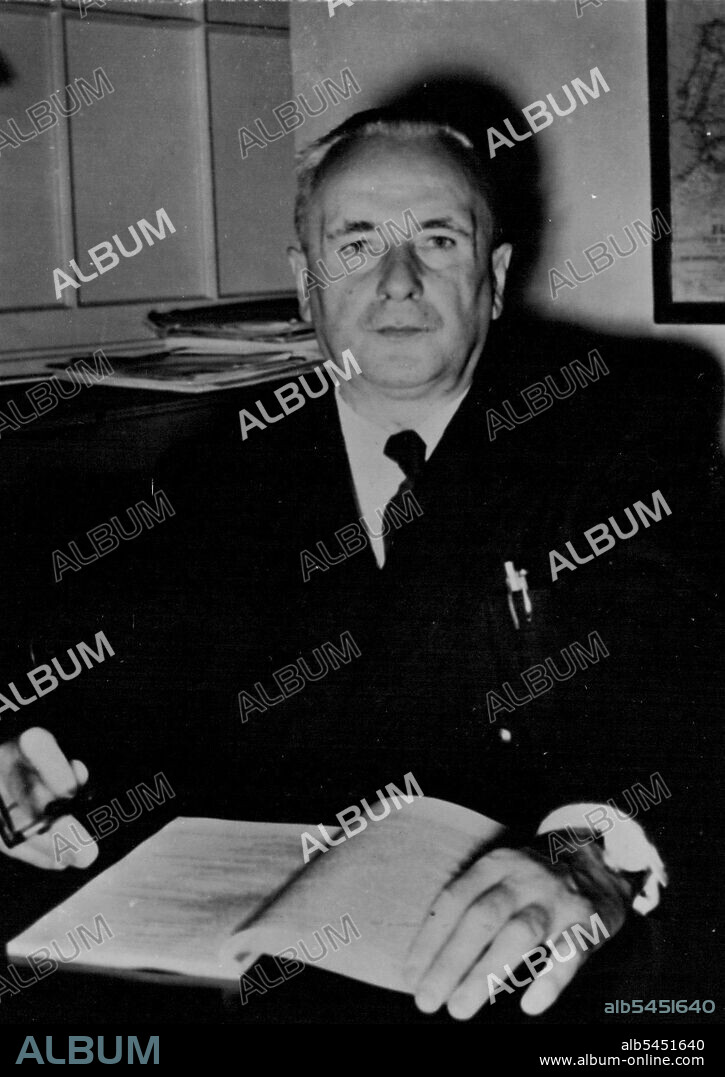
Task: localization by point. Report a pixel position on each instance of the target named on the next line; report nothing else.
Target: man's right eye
(356, 246)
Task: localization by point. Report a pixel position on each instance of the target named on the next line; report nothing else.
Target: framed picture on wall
(686, 47)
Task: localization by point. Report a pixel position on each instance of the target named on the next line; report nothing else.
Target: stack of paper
(197, 364)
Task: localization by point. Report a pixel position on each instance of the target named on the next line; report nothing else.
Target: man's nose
(400, 276)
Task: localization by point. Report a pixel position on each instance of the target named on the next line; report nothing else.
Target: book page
(172, 901)
(383, 879)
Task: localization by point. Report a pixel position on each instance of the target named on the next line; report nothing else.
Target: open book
(203, 898)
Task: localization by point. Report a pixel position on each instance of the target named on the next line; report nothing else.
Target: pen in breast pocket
(518, 594)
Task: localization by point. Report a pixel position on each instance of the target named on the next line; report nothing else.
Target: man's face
(416, 317)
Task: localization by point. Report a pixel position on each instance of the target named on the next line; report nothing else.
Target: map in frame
(696, 92)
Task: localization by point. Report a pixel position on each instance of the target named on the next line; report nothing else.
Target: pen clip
(517, 585)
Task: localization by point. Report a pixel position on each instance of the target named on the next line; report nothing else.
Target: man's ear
(298, 262)
(499, 268)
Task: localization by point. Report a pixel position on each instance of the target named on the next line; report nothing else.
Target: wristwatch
(624, 847)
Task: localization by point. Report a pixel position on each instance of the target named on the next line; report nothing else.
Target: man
(434, 613)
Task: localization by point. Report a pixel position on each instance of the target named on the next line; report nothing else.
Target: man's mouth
(400, 332)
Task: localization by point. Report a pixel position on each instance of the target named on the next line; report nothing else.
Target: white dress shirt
(376, 477)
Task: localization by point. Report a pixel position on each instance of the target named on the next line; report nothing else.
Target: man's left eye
(442, 243)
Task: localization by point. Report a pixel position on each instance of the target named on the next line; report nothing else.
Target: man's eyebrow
(351, 226)
(451, 223)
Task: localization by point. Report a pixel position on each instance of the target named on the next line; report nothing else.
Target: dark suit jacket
(229, 606)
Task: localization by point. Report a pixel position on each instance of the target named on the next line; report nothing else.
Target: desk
(87, 459)
(105, 431)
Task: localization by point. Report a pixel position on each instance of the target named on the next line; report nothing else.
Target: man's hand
(34, 772)
(502, 906)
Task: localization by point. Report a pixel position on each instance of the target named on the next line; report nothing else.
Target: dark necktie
(407, 450)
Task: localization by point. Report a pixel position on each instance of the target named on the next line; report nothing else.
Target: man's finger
(78, 849)
(38, 851)
(41, 750)
(29, 854)
(80, 771)
(524, 931)
(474, 931)
(546, 989)
(446, 911)
(84, 848)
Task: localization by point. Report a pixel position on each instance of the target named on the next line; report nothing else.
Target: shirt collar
(360, 431)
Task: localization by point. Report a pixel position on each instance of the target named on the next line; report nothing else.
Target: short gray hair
(315, 162)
